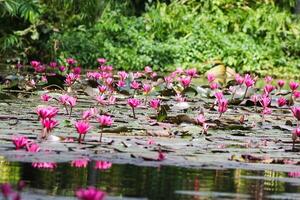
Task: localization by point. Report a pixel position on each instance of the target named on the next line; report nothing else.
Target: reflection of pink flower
(294, 174)
(6, 190)
(200, 119)
(150, 142)
(103, 165)
(19, 141)
(161, 156)
(90, 193)
(33, 147)
(81, 163)
(44, 165)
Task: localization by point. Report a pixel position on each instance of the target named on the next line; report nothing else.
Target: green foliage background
(261, 36)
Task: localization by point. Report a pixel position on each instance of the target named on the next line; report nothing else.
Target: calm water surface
(153, 183)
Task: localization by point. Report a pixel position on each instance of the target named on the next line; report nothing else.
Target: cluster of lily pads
(140, 85)
(140, 88)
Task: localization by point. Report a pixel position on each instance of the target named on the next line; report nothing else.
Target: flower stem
(133, 112)
(101, 134)
(245, 93)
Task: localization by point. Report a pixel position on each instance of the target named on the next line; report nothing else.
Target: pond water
(136, 182)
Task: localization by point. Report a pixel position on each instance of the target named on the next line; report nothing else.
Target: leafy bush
(248, 35)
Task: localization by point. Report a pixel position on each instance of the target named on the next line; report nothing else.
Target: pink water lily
(47, 112)
(104, 121)
(19, 141)
(222, 106)
(281, 101)
(71, 79)
(133, 103)
(191, 72)
(294, 85)
(155, 103)
(214, 86)
(71, 61)
(48, 125)
(200, 119)
(101, 61)
(148, 70)
(82, 128)
(161, 156)
(135, 85)
(45, 97)
(185, 81)
(210, 77)
(123, 75)
(239, 79)
(268, 89)
(88, 114)
(147, 88)
(295, 135)
(280, 83)
(6, 190)
(296, 112)
(268, 79)
(91, 193)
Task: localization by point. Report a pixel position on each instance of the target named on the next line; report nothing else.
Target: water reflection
(153, 183)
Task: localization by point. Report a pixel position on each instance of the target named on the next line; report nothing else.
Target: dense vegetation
(261, 36)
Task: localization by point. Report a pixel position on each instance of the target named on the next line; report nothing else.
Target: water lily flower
(34, 63)
(102, 89)
(109, 81)
(76, 70)
(91, 193)
(32, 147)
(296, 112)
(268, 79)
(239, 79)
(168, 80)
(268, 89)
(53, 65)
(265, 101)
(82, 128)
(133, 103)
(249, 82)
(137, 75)
(101, 99)
(67, 100)
(104, 121)
(296, 94)
(280, 83)
(62, 68)
(71, 61)
(19, 141)
(102, 165)
(148, 70)
(71, 79)
(45, 97)
(49, 124)
(101, 61)
(222, 106)
(123, 75)
(44, 79)
(281, 101)
(185, 81)
(135, 85)
(219, 96)
(255, 98)
(147, 88)
(214, 86)
(155, 103)
(210, 77)
(44, 165)
(88, 114)
(47, 112)
(80, 163)
(121, 83)
(191, 72)
(294, 85)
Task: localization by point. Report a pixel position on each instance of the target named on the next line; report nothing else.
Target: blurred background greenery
(258, 36)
